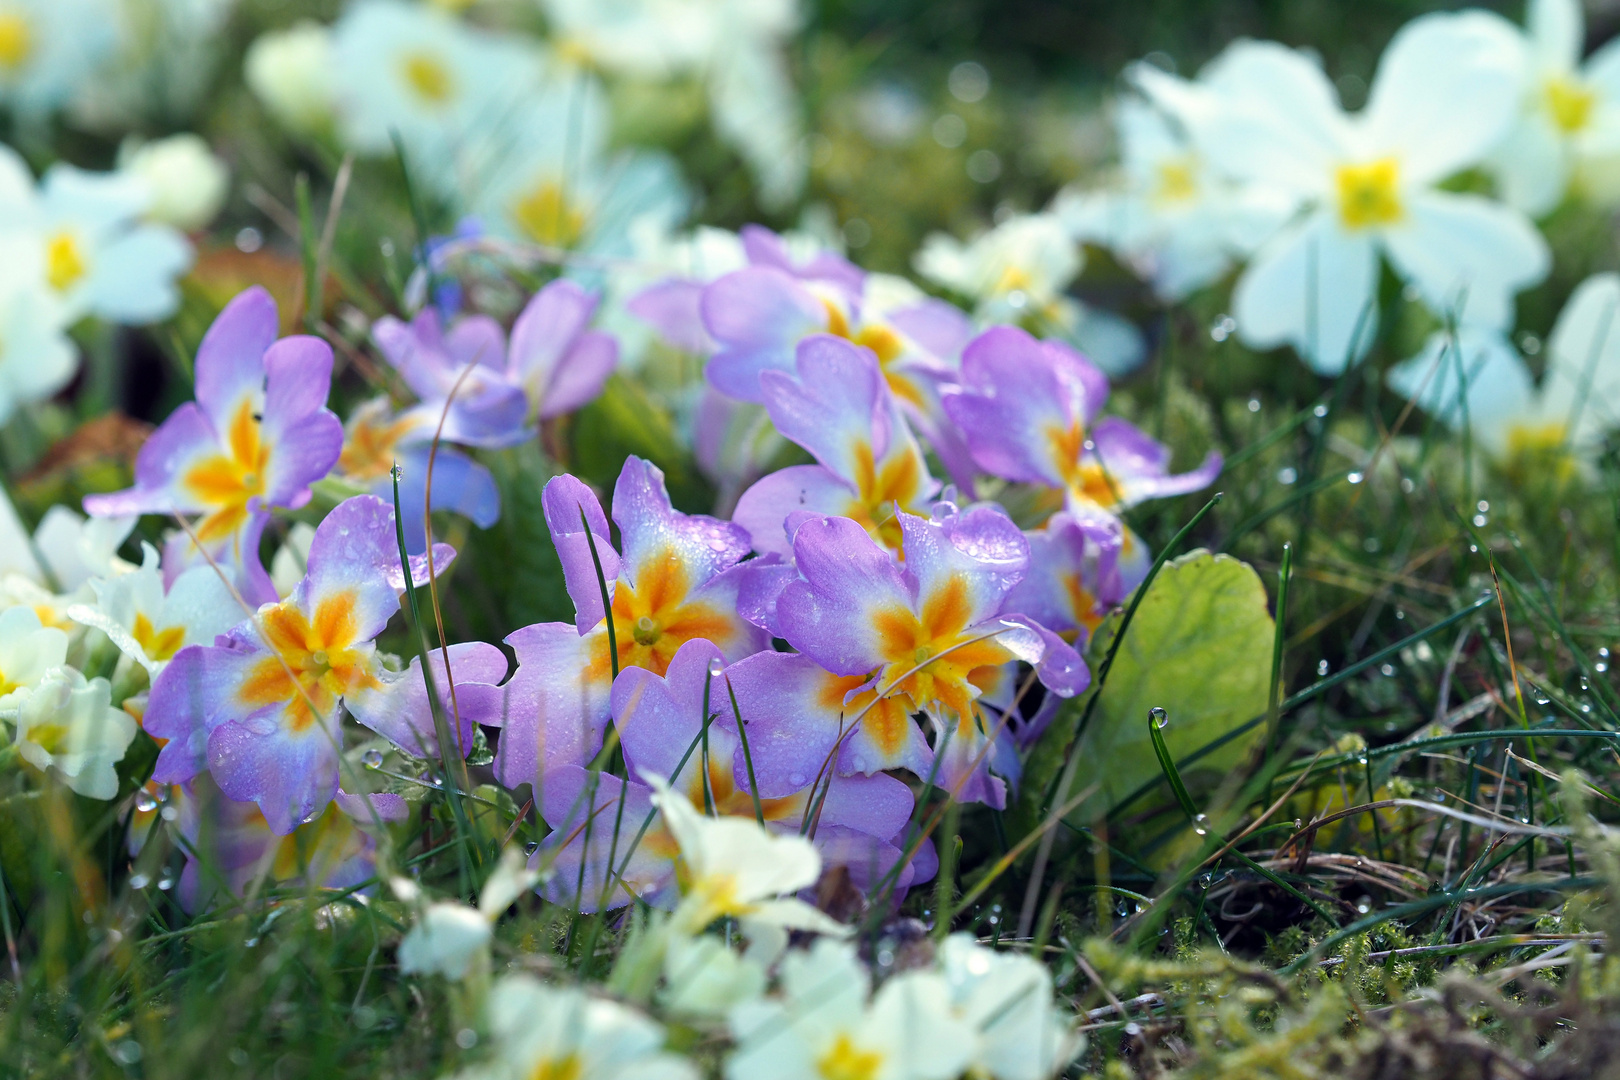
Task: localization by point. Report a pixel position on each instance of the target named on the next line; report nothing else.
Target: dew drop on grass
(531, 847)
(466, 1038)
(165, 883)
(139, 881)
(1355, 478)
(1201, 824)
(716, 666)
(145, 802)
(372, 759)
(1321, 668)
(1159, 717)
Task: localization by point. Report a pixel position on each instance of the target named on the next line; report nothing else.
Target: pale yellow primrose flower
(66, 725)
(1366, 187)
(1567, 135)
(1007, 999)
(449, 936)
(543, 1032)
(734, 866)
(824, 1028)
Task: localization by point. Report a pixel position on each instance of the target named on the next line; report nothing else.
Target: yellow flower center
(64, 262)
(1178, 180)
(653, 619)
(229, 482)
(368, 452)
(158, 644)
(567, 1067)
(846, 1061)
(313, 662)
(16, 40)
(1569, 103)
(548, 217)
(427, 76)
(1369, 195)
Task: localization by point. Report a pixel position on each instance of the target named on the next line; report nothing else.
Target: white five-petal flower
(1367, 185)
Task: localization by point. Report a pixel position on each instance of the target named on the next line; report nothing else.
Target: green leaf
(1199, 648)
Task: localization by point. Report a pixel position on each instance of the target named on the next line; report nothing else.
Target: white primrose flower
(150, 624)
(1475, 378)
(188, 181)
(557, 182)
(164, 65)
(823, 1027)
(1568, 129)
(1367, 185)
(450, 936)
(456, 96)
(49, 47)
(37, 358)
(76, 548)
(1019, 271)
(555, 1033)
(66, 724)
(78, 237)
(735, 866)
(1007, 999)
(28, 650)
(1174, 219)
(705, 977)
(735, 46)
(291, 72)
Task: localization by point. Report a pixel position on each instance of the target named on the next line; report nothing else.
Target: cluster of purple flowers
(854, 620)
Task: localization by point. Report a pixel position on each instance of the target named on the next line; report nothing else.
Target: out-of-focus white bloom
(79, 236)
(1017, 272)
(188, 181)
(823, 1025)
(1176, 221)
(1446, 88)
(449, 936)
(1476, 379)
(565, 1034)
(734, 45)
(291, 71)
(150, 625)
(736, 867)
(1022, 264)
(1007, 999)
(457, 97)
(37, 358)
(16, 550)
(77, 549)
(705, 977)
(66, 724)
(558, 185)
(28, 649)
(446, 939)
(1568, 130)
(49, 47)
(168, 53)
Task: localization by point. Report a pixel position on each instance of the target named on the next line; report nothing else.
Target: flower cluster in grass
(636, 624)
